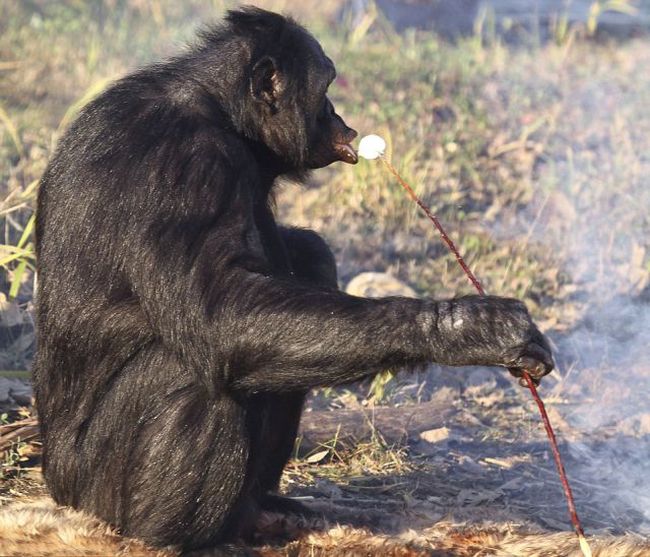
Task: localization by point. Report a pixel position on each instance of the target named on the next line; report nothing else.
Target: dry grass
(39, 528)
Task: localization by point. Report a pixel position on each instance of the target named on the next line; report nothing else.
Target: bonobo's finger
(536, 360)
(519, 374)
(523, 383)
(536, 364)
(538, 338)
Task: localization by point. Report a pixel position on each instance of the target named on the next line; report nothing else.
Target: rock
(14, 392)
(433, 441)
(468, 464)
(450, 18)
(22, 394)
(378, 285)
(5, 385)
(453, 18)
(435, 435)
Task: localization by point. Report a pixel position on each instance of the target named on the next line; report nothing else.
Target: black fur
(179, 326)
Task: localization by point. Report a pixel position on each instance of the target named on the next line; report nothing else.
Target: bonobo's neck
(270, 167)
(219, 72)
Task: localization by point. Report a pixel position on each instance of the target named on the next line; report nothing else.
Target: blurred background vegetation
(527, 131)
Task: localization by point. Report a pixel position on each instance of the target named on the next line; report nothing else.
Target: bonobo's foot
(271, 502)
(490, 331)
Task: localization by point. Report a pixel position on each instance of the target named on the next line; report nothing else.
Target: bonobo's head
(280, 97)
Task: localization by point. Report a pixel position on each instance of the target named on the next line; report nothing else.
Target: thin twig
(584, 546)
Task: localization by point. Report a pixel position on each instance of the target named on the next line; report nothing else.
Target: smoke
(608, 377)
(583, 109)
(590, 205)
(605, 358)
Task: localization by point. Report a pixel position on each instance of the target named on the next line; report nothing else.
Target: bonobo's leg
(161, 458)
(312, 262)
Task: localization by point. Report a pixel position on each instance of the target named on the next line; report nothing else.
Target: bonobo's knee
(311, 258)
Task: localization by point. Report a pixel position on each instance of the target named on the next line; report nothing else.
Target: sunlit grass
(514, 149)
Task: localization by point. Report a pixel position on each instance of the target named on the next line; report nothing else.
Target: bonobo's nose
(350, 134)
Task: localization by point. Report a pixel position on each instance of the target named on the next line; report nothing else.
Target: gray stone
(5, 385)
(378, 285)
(436, 435)
(21, 393)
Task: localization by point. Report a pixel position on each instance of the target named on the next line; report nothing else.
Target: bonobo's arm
(288, 337)
(203, 281)
(253, 332)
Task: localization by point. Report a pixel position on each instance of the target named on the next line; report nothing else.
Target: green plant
(599, 7)
(17, 259)
(377, 390)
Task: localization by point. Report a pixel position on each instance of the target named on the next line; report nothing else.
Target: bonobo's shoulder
(156, 93)
(146, 111)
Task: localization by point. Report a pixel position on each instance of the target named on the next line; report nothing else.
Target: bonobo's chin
(340, 152)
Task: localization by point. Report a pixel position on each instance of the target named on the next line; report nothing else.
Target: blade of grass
(18, 273)
(13, 131)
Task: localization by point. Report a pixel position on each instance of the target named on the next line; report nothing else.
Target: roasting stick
(373, 147)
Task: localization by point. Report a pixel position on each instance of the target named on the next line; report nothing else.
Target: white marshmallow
(371, 146)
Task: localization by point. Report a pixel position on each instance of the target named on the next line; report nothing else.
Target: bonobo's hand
(491, 331)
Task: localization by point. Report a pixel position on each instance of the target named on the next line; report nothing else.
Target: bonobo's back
(153, 171)
(106, 203)
(142, 149)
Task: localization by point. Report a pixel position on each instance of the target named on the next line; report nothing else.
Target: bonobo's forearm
(257, 332)
(310, 338)
(306, 337)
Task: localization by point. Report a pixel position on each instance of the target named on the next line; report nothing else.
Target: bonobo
(179, 325)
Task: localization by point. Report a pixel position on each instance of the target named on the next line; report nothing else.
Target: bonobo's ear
(267, 83)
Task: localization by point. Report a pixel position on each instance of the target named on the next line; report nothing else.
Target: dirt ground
(475, 468)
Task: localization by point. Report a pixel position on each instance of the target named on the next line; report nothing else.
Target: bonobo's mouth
(346, 153)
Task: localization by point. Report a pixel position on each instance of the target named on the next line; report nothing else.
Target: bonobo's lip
(346, 153)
